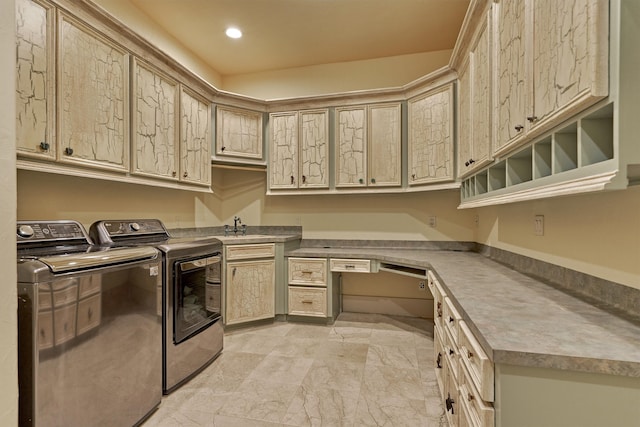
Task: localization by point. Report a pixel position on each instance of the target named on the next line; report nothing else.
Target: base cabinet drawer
(259, 250)
(351, 265)
(305, 301)
(477, 363)
(477, 413)
(308, 271)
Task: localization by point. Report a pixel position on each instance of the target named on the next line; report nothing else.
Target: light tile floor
(364, 370)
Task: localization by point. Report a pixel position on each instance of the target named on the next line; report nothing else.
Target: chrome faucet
(236, 221)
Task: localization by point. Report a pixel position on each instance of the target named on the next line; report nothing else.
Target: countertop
(518, 320)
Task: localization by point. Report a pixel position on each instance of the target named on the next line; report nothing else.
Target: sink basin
(241, 237)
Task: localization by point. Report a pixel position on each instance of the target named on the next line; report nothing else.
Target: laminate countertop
(517, 319)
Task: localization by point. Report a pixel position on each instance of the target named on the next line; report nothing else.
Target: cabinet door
(481, 95)
(35, 77)
(93, 109)
(250, 291)
(314, 149)
(195, 141)
(431, 137)
(283, 169)
(238, 133)
(570, 57)
(475, 103)
(351, 146)
(465, 141)
(154, 124)
(511, 77)
(385, 162)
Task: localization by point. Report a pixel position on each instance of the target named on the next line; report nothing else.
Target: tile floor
(365, 370)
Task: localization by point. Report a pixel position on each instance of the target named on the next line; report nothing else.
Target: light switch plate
(538, 225)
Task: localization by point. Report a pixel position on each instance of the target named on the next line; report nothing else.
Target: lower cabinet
(307, 294)
(464, 372)
(250, 283)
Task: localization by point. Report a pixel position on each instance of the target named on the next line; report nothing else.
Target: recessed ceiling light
(233, 32)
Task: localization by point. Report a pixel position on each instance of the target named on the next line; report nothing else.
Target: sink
(241, 237)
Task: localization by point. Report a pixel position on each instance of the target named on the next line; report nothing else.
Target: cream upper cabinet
(283, 166)
(35, 77)
(299, 149)
(551, 63)
(430, 141)
(154, 122)
(385, 161)
(314, 149)
(351, 146)
(368, 146)
(238, 133)
(511, 85)
(474, 139)
(93, 98)
(195, 139)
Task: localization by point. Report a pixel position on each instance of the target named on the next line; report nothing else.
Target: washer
(89, 328)
(191, 314)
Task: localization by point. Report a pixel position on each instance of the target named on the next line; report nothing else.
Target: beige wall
(8, 288)
(596, 233)
(134, 18)
(336, 78)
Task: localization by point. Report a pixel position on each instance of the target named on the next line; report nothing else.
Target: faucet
(236, 221)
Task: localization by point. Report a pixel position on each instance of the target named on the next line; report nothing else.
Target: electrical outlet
(421, 285)
(432, 222)
(538, 225)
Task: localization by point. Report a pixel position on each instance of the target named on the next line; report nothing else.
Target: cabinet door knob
(174, 173)
(470, 355)
(469, 397)
(449, 403)
(519, 127)
(44, 146)
(413, 176)
(532, 119)
(451, 319)
(439, 361)
(68, 151)
(186, 174)
(304, 179)
(292, 180)
(373, 180)
(223, 148)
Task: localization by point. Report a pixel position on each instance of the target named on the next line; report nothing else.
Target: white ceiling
(281, 34)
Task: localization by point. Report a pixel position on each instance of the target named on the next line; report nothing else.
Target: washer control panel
(110, 231)
(49, 231)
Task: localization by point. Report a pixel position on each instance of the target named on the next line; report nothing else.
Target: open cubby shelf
(586, 141)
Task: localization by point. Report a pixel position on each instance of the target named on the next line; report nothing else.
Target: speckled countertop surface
(519, 320)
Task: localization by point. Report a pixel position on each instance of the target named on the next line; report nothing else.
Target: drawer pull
(439, 361)
(349, 266)
(469, 397)
(306, 301)
(306, 272)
